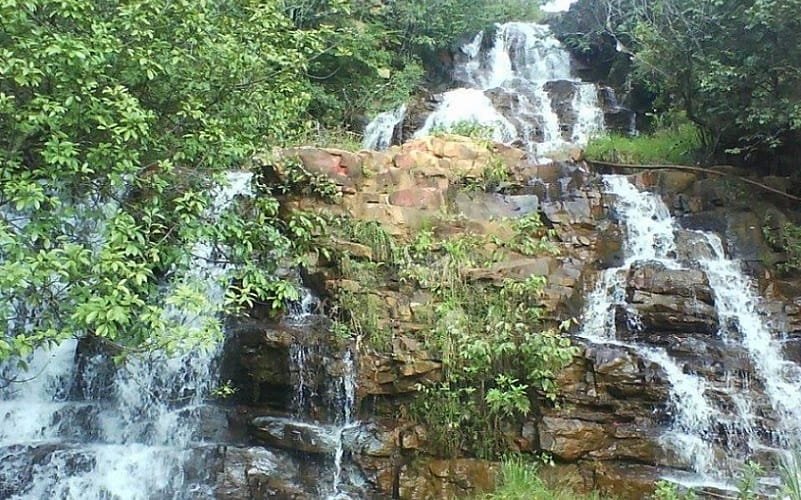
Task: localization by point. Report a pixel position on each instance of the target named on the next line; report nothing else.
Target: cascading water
(312, 362)
(714, 437)
(346, 405)
(741, 323)
(508, 88)
(379, 132)
(96, 431)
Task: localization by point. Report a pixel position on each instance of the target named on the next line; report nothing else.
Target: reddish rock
(428, 198)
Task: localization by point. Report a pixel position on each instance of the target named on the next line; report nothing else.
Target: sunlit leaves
(118, 119)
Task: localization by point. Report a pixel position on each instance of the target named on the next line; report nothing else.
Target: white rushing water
(379, 132)
(510, 87)
(737, 304)
(98, 432)
(346, 406)
(715, 438)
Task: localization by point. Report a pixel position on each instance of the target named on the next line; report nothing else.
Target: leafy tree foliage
(118, 120)
(732, 66)
(379, 50)
(116, 117)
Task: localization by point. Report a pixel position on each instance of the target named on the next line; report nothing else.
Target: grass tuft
(673, 146)
(520, 480)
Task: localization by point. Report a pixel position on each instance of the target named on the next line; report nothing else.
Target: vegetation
(790, 473)
(785, 238)
(748, 483)
(377, 53)
(119, 119)
(424, 26)
(665, 490)
(520, 480)
(113, 137)
(677, 145)
(731, 66)
(496, 354)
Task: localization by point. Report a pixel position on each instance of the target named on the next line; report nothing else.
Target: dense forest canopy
(733, 67)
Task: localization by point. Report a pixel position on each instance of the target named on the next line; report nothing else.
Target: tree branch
(688, 168)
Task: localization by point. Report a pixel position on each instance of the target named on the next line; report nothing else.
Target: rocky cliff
(604, 430)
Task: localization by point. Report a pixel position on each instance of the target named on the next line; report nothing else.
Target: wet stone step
(295, 435)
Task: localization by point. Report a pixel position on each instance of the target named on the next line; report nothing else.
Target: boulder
(256, 472)
(423, 198)
(667, 300)
(447, 478)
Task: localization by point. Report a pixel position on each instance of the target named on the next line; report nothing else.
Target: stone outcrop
(613, 403)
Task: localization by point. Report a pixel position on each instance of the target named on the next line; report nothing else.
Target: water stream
(309, 360)
(74, 426)
(519, 86)
(715, 438)
(378, 134)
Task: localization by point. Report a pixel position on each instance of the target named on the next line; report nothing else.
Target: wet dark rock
(571, 439)
(256, 361)
(692, 246)
(417, 111)
(94, 369)
(609, 247)
(256, 473)
(447, 478)
(294, 435)
(662, 300)
(617, 118)
(562, 93)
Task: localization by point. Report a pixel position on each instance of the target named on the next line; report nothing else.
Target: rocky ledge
(604, 430)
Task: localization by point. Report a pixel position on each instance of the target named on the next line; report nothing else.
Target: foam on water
(130, 431)
(702, 426)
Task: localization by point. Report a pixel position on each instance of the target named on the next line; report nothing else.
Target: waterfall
(737, 305)
(346, 406)
(590, 117)
(715, 438)
(509, 89)
(379, 132)
(468, 106)
(325, 375)
(75, 426)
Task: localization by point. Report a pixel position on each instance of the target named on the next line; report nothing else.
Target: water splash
(709, 416)
(380, 131)
(93, 431)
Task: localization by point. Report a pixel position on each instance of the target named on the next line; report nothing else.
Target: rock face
(667, 301)
(606, 431)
